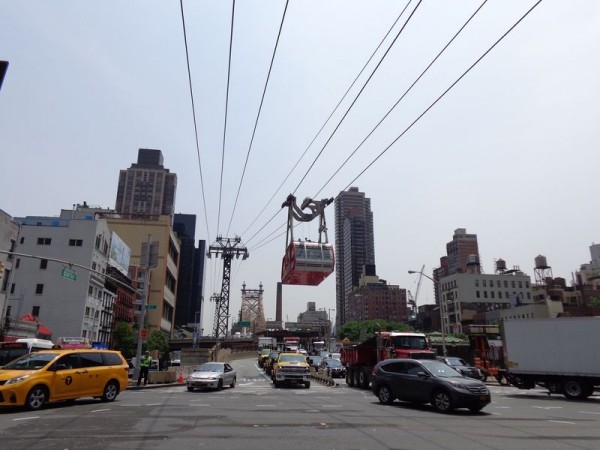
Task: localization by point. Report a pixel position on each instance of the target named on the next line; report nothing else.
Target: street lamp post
(444, 351)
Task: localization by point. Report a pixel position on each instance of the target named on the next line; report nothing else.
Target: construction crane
(227, 248)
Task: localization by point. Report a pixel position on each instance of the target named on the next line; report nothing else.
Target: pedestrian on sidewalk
(144, 368)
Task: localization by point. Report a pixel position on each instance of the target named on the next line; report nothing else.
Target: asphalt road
(255, 415)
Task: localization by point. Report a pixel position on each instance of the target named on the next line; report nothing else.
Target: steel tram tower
(227, 248)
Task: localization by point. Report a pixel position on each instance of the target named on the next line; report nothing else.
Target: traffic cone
(180, 379)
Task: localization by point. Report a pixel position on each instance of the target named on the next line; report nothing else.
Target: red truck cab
(360, 359)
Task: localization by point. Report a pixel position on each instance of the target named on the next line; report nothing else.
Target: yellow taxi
(55, 375)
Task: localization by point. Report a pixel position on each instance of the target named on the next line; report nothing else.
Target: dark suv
(427, 381)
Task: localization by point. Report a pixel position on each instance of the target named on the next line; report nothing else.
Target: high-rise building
(354, 245)
(459, 251)
(190, 290)
(146, 189)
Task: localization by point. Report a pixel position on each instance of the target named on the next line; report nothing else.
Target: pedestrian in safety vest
(144, 368)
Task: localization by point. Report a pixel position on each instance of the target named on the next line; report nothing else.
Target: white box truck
(562, 354)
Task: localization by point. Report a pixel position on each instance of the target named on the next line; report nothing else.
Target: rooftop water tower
(542, 270)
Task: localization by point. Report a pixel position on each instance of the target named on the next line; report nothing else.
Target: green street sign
(68, 274)
(244, 324)
(150, 306)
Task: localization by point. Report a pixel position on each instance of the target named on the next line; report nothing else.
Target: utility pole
(142, 316)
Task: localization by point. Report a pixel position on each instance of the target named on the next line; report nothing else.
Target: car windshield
(410, 342)
(32, 361)
(273, 355)
(456, 362)
(439, 369)
(210, 368)
(333, 363)
(315, 359)
(292, 358)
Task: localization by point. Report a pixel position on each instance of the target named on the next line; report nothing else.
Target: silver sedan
(213, 375)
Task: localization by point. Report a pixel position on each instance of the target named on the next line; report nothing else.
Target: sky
(509, 152)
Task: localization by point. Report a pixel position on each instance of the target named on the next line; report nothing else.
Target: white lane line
(588, 412)
(562, 421)
(332, 406)
(153, 404)
(547, 407)
(130, 405)
(265, 406)
(200, 404)
(27, 418)
(100, 410)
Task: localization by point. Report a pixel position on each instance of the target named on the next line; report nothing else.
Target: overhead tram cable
(258, 116)
(353, 102)
(359, 94)
(225, 120)
(432, 104)
(403, 95)
(187, 58)
(326, 122)
(445, 92)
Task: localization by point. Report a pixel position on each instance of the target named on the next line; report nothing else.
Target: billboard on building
(120, 254)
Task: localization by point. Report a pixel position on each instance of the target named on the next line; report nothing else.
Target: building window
(505, 283)
(477, 294)
(87, 310)
(512, 284)
(75, 242)
(485, 294)
(520, 285)
(22, 241)
(35, 311)
(39, 288)
(492, 294)
(44, 241)
(527, 284)
(43, 264)
(90, 290)
(17, 263)
(484, 283)
(499, 294)
(476, 282)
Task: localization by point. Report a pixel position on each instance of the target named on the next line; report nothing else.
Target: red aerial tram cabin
(306, 262)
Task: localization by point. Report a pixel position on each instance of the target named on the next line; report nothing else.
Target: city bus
(23, 346)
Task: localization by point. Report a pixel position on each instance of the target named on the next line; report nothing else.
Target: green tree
(594, 301)
(124, 339)
(358, 331)
(157, 341)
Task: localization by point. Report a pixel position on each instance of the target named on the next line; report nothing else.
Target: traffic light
(1, 269)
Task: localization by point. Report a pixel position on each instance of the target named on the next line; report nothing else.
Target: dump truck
(360, 359)
(561, 354)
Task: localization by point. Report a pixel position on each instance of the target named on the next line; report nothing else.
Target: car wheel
(276, 383)
(441, 401)
(573, 390)
(363, 380)
(190, 389)
(111, 390)
(232, 385)
(220, 385)
(307, 384)
(384, 394)
(36, 398)
(349, 378)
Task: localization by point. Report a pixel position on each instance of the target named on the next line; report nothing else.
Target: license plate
(483, 398)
